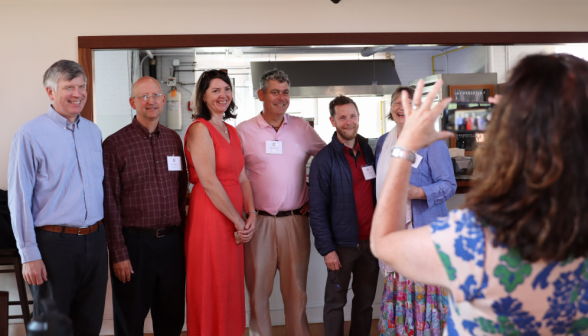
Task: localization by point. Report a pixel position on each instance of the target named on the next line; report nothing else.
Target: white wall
(579, 50)
(468, 60)
(502, 59)
(36, 33)
(516, 53)
(498, 59)
(411, 65)
(112, 90)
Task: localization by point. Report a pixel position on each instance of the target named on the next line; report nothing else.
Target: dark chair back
(6, 235)
(3, 313)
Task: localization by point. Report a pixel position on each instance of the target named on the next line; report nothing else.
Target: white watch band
(403, 153)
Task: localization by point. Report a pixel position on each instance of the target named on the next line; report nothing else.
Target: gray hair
(64, 69)
(275, 74)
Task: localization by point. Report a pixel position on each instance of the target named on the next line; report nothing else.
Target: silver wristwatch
(403, 153)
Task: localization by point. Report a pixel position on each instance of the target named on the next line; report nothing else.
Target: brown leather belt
(81, 231)
(280, 213)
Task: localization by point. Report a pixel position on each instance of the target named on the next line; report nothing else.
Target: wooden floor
(316, 329)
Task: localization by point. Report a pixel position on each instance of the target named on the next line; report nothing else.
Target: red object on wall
(189, 106)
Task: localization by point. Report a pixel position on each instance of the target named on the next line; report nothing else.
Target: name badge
(417, 161)
(273, 147)
(174, 163)
(368, 172)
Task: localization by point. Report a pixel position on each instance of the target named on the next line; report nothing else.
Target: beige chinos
(279, 243)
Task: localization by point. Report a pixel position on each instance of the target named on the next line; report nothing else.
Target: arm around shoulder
(314, 140)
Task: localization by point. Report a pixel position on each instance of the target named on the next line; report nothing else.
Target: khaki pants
(278, 244)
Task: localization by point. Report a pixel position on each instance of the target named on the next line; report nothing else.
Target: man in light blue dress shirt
(55, 198)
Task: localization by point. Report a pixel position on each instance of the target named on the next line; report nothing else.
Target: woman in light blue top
(410, 308)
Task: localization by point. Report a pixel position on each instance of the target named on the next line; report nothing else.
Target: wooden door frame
(87, 44)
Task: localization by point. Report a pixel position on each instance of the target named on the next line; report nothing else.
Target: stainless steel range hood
(318, 79)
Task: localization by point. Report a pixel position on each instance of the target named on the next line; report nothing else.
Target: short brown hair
(534, 165)
(397, 94)
(338, 101)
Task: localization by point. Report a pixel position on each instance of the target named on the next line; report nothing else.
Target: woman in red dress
(215, 230)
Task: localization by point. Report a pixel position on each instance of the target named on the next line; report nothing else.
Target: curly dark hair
(534, 185)
(200, 108)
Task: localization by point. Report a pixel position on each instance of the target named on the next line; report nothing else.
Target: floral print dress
(412, 309)
(495, 292)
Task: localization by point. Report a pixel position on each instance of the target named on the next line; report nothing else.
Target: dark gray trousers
(158, 283)
(77, 269)
(360, 262)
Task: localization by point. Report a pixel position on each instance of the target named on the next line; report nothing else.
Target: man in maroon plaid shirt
(145, 184)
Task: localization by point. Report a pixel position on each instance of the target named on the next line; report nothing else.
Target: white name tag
(369, 172)
(417, 161)
(174, 163)
(273, 147)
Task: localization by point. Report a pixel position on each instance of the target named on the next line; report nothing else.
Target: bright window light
(578, 50)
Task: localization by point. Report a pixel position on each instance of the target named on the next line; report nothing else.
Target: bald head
(148, 111)
(135, 91)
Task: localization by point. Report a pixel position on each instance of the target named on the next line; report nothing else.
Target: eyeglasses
(155, 96)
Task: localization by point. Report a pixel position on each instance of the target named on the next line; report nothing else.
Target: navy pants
(77, 270)
(158, 283)
(360, 262)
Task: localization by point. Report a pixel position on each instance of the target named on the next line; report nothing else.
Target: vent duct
(369, 51)
(331, 78)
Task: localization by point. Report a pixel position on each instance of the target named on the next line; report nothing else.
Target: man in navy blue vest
(342, 202)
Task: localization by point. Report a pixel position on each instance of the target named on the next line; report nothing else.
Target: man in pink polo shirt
(277, 147)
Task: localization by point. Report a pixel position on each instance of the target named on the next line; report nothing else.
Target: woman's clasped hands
(245, 229)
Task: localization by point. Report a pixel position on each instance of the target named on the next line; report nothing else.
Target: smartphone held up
(465, 117)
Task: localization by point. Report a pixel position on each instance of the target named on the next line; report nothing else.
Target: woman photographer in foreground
(516, 251)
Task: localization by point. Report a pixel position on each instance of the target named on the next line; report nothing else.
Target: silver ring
(414, 107)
